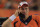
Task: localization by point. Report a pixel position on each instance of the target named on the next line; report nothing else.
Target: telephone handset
(21, 15)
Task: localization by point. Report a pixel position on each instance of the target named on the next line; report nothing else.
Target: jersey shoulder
(36, 17)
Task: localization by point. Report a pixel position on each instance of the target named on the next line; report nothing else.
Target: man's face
(24, 10)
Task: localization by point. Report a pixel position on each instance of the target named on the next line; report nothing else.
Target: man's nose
(23, 10)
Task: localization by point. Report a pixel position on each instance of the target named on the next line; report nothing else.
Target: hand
(16, 12)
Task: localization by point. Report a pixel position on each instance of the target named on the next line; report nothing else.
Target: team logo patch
(26, 23)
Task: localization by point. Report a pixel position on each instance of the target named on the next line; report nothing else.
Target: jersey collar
(27, 20)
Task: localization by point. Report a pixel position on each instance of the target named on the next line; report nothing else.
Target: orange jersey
(32, 21)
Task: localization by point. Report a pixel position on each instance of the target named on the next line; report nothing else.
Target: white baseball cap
(22, 3)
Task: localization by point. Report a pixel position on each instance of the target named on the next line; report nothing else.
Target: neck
(26, 18)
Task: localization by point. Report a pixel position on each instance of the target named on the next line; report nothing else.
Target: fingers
(18, 11)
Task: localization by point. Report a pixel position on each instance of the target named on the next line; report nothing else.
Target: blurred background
(8, 7)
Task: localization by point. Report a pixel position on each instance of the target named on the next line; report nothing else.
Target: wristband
(12, 17)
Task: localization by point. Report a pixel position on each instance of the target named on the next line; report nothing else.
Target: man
(21, 18)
